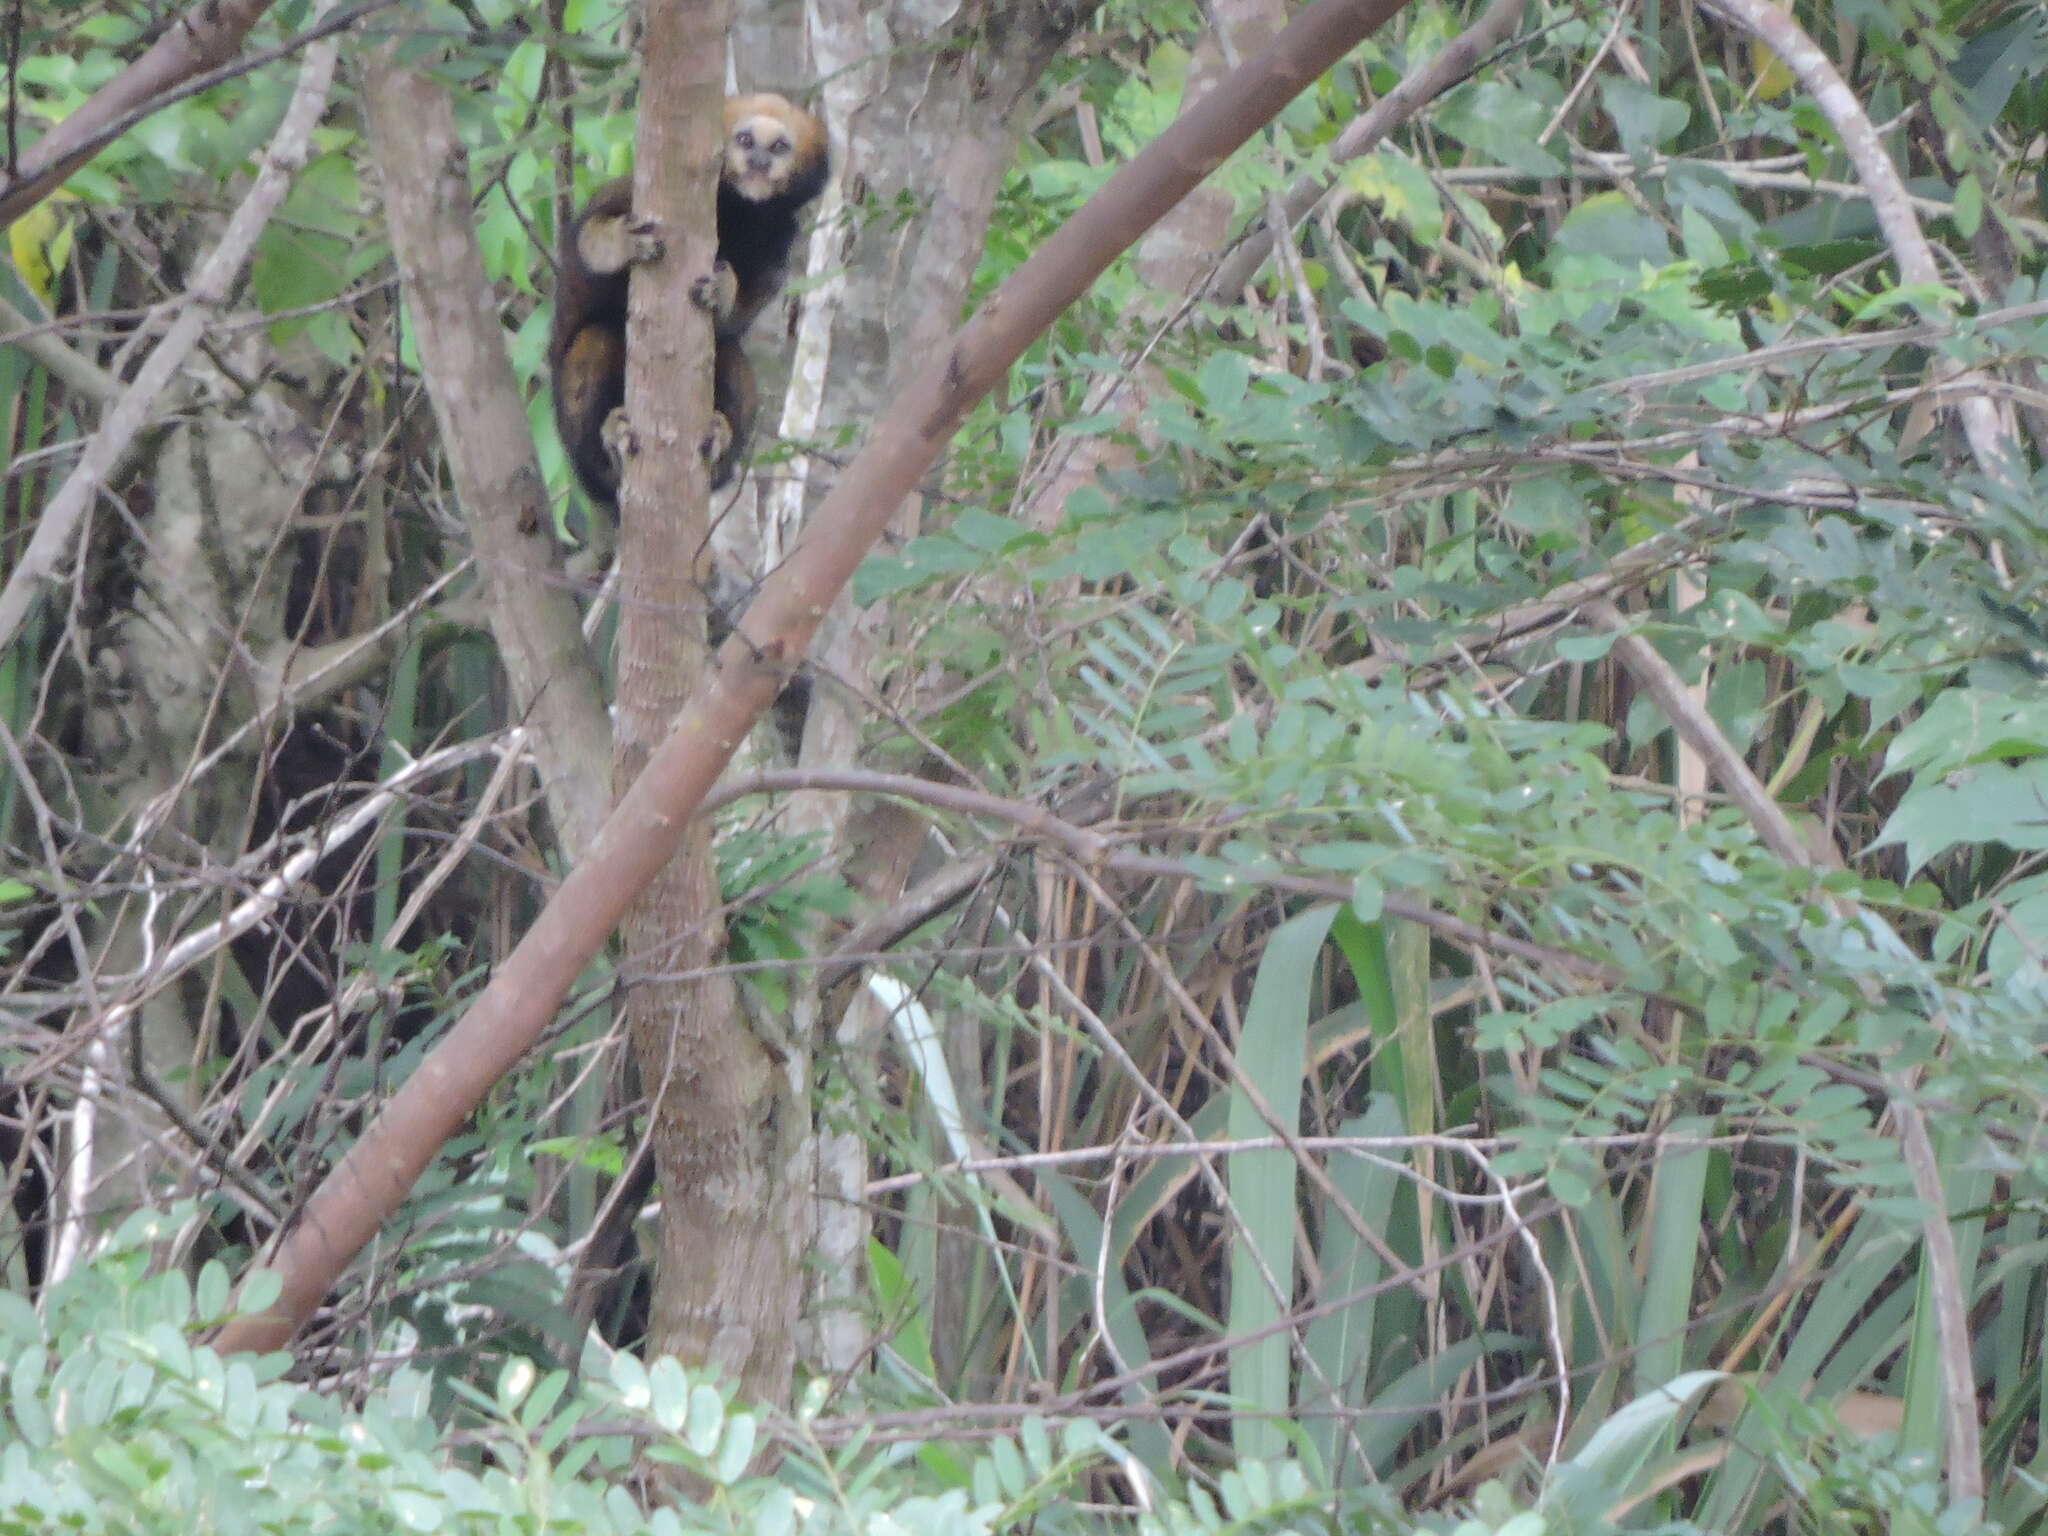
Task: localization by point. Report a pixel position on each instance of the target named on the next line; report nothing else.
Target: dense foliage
(1424, 1083)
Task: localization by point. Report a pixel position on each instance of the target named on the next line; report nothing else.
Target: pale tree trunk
(174, 674)
(926, 106)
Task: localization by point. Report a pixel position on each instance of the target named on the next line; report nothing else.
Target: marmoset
(776, 161)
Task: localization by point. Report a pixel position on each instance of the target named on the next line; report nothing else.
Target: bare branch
(1950, 1299)
(1455, 62)
(90, 380)
(1697, 729)
(272, 890)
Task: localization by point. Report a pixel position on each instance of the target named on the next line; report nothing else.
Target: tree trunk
(926, 117)
(724, 1129)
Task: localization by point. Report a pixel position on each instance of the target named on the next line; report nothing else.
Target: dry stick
(1882, 184)
(1696, 727)
(200, 303)
(49, 349)
(129, 992)
(1385, 1152)
(1791, 354)
(354, 1200)
(1619, 167)
(1951, 1300)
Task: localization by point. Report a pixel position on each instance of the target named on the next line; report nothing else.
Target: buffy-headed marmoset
(775, 162)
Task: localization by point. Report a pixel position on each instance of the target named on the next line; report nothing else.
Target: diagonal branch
(1948, 1294)
(1456, 62)
(487, 438)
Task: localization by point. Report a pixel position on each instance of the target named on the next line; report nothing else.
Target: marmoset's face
(760, 157)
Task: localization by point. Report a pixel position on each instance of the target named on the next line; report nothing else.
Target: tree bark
(723, 1120)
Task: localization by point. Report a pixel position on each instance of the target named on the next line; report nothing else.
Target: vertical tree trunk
(724, 1131)
(927, 118)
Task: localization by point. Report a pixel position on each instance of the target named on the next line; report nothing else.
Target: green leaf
(1607, 226)
(1968, 210)
(1645, 120)
(1504, 124)
(1402, 189)
(1965, 725)
(1222, 382)
(736, 1448)
(1586, 648)
(706, 1415)
(1271, 1062)
(1671, 1252)
(1991, 803)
